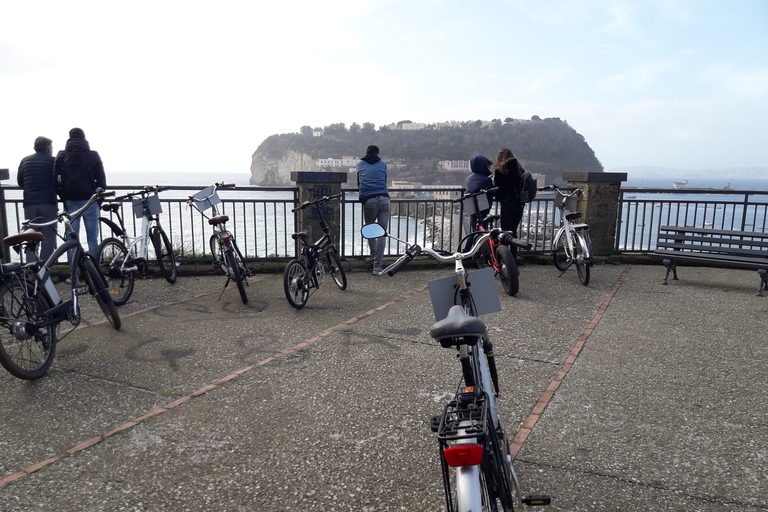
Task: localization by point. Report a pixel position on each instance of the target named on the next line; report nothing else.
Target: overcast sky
(197, 86)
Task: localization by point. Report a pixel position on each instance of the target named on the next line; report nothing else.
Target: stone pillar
(313, 185)
(5, 258)
(599, 205)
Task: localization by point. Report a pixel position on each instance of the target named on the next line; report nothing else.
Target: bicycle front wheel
(111, 255)
(26, 348)
(236, 269)
(337, 272)
(582, 266)
(164, 252)
(296, 284)
(560, 254)
(508, 270)
(98, 289)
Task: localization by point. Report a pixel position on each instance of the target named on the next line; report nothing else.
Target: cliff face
(276, 172)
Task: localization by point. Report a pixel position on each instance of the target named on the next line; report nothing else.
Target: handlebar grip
(507, 238)
(160, 189)
(107, 194)
(406, 258)
(225, 185)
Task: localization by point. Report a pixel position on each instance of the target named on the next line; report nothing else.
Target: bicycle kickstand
(225, 287)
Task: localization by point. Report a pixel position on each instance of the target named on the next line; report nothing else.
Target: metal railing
(642, 211)
(262, 221)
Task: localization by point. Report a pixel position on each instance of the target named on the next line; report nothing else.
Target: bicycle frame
(311, 252)
(471, 437)
(138, 246)
(225, 252)
(41, 271)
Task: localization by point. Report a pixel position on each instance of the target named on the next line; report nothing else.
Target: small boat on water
(680, 185)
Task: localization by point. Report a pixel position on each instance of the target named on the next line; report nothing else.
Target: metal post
(4, 175)
(313, 185)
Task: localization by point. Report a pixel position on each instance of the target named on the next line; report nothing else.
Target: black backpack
(527, 187)
(76, 179)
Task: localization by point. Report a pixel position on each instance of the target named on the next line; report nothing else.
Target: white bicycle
(472, 440)
(571, 243)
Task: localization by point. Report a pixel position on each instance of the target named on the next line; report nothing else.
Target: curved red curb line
(546, 397)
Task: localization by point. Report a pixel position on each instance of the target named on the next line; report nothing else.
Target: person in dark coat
(507, 179)
(79, 172)
(35, 176)
(479, 179)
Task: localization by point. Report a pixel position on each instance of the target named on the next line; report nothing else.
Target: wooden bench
(713, 247)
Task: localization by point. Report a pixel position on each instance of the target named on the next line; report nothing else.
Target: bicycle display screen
(483, 288)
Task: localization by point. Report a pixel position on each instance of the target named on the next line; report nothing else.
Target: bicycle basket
(153, 205)
(469, 204)
(570, 201)
(203, 202)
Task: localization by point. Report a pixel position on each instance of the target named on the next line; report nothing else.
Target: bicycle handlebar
(99, 195)
(576, 191)
(473, 194)
(146, 191)
(315, 201)
(504, 238)
(216, 186)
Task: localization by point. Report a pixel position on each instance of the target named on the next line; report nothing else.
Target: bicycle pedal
(434, 423)
(216, 264)
(537, 500)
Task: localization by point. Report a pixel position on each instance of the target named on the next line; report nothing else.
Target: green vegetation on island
(547, 146)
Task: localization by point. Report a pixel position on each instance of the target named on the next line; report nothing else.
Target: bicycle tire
(334, 266)
(98, 289)
(235, 267)
(510, 279)
(295, 279)
(166, 260)
(582, 266)
(559, 254)
(111, 254)
(27, 359)
(218, 257)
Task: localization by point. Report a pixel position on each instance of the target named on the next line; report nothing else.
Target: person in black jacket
(507, 179)
(79, 172)
(35, 176)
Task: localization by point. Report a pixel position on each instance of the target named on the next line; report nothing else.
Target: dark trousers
(511, 215)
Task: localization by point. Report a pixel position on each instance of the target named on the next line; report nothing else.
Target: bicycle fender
(112, 225)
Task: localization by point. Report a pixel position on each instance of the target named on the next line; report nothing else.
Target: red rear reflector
(463, 455)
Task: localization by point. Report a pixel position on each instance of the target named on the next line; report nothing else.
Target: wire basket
(569, 201)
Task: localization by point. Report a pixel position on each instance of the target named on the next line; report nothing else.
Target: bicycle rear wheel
(560, 255)
(26, 350)
(164, 252)
(236, 269)
(296, 284)
(334, 265)
(582, 266)
(508, 270)
(98, 289)
(111, 255)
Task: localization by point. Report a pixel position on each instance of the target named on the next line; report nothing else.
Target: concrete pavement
(624, 395)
